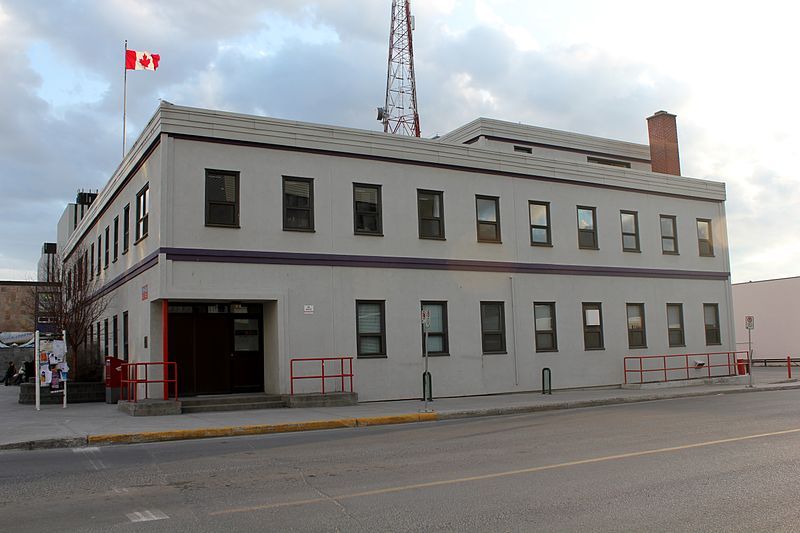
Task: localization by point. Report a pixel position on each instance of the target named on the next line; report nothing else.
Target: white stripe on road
(146, 516)
(86, 450)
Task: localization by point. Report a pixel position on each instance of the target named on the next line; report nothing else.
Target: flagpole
(124, 95)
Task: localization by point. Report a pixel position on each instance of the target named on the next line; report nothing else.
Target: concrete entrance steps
(231, 402)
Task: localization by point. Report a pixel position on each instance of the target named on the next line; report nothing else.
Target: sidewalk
(100, 423)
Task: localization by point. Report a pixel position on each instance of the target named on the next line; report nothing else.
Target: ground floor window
(637, 337)
(371, 328)
(437, 333)
(493, 327)
(592, 326)
(711, 319)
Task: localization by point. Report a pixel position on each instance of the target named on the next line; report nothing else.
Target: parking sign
(749, 322)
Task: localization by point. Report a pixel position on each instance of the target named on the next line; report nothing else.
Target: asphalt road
(720, 463)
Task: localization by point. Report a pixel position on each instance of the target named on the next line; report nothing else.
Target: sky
(727, 69)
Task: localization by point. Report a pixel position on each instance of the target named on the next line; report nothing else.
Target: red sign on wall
(145, 293)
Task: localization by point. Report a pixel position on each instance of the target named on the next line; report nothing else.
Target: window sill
(588, 247)
(542, 244)
(714, 344)
(552, 350)
(602, 348)
(431, 238)
(235, 226)
(301, 230)
(442, 354)
(677, 346)
(492, 241)
(639, 347)
(504, 352)
(140, 239)
(124, 252)
(707, 255)
(669, 253)
(631, 250)
(114, 260)
(368, 233)
(372, 356)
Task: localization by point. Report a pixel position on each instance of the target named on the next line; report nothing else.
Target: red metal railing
(667, 366)
(322, 375)
(136, 374)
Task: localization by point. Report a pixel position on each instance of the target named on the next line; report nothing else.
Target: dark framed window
(593, 326)
(116, 238)
(629, 221)
(544, 325)
(298, 204)
(115, 335)
(669, 235)
(371, 328)
(523, 149)
(126, 228)
(222, 198)
(705, 240)
(367, 209)
(587, 228)
(675, 325)
(487, 210)
(90, 336)
(125, 326)
(98, 336)
(637, 336)
(142, 212)
(711, 321)
(539, 213)
(609, 162)
(430, 211)
(493, 327)
(91, 262)
(105, 336)
(99, 253)
(437, 334)
(106, 249)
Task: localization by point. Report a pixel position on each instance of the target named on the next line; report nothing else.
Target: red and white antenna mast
(399, 113)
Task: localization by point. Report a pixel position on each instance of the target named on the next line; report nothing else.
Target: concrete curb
(291, 427)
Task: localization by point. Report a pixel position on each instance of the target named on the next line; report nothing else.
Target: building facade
(239, 242)
(774, 304)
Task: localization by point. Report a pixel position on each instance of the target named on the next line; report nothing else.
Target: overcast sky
(727, 69)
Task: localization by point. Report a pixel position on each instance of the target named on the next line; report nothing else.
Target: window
(488, 213)
(105, 336)
(371, 328)
(367, 215)
(298, 204)
(675, 325)
(711, 319)
(222, 198)
(105, 250)
(142, 212)
(437, 334)
(704, 238)
(493, 327)
(609, 162)
(126, 227)
(98, 335)
(115, 330)
(523, 149)
(539, 213)
(125, 335)
(630, 230)
(116, 238)
(636, 332)
(587, 229)
(91, 259)
(592, 326)
(430, 210)
(99, 253)
(669, 235)
(544, 324)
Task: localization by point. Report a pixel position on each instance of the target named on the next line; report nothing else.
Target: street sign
(749, 322)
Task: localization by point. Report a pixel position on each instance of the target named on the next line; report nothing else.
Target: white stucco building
(259, 240)
(775, 304)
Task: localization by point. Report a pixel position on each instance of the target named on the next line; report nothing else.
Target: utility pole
(399, 114)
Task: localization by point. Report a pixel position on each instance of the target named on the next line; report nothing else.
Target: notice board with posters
(51, 366)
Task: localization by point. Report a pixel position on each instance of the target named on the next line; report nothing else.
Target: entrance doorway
(219, 348)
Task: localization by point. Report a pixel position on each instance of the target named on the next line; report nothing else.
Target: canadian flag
(141, 60)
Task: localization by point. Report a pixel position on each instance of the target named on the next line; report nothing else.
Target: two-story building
(239, 242)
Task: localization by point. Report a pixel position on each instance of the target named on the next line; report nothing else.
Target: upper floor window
(544, 324)
(704, 237)
(222, 198)
(116, 238)
(669, 235)
(142, 212)
(592, 326)
(539, 213)
(637, 337)
(675, 325)
(367, 209)
(587, 228)
(493, 327)
(711, 320)
(437, 332)
(108, 245)
(371, 328)
(430, 210)
(99, 253)
(630, 230)
(126, 227)
(298, 204)
(91, 262)
(488, 215)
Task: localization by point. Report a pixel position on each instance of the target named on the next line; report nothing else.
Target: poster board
(51, 366)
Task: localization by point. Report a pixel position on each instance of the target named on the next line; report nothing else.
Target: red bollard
(789, 365)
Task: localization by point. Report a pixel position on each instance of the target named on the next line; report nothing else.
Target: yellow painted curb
(397, 419)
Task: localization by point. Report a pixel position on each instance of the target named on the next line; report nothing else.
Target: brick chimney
(663, 132)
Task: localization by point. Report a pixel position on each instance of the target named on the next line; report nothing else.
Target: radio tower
(399, 113)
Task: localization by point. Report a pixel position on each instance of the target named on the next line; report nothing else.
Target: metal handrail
(730, 364)
(323, 376)
(130, 376)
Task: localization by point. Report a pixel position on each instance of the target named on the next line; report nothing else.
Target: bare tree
(71, 300)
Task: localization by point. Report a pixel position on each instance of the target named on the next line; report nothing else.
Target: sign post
(750, 325)
(426, 376)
